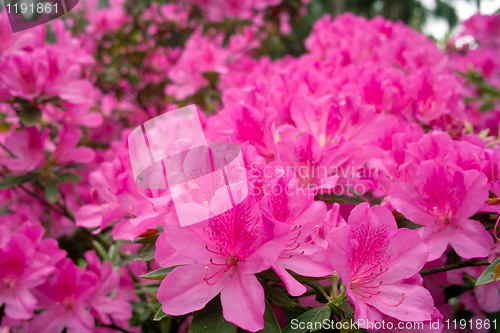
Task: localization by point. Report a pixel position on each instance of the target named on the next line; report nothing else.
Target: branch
(8, 151)
(467, 263)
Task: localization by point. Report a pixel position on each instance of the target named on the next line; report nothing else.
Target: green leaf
(491, 274)
(316, 286)
(114, 250)
(100, 249)
(50, 36)
(159, 315)
(17, 180)
(147, 253)
(310, 320)
(341, 199)
(103, 4)
(146, 257)
(51, 190)
(68, 177)
(487, 106)
(277, 296)
(29, 115)
(210, 320)
(159, 274)
(270, 321)
(147, 240)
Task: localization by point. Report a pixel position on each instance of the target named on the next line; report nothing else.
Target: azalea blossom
(221, 255)
(443, 203)
(373, 257)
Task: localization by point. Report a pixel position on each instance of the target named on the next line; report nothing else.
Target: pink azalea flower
(373, 257)
(65, 297)
(27, 147)
(114, 194)
(67, 150)
(23, 74)
(286, 203)
(222, 255)
(75, 114)
(11, 43)
(332, 221)
(63, 77)
(311, 163)
(107, 308)
(25, 262)
(242, 122)
(443, 202)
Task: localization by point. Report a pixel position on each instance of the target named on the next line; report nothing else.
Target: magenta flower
(67, 150)
(65, 297)
(23, 74)
(114, 194)
(284, 202)
(63, 77)
(442, 202)
(222, 255)
(311, 162)
(27, 147)
(107, 308)
(25, 262)
(241, 122)
(373, 257)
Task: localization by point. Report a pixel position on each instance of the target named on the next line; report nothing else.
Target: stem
(342, 297)
(34, 195)
(467, 263)
(8, 151)
(335, 282)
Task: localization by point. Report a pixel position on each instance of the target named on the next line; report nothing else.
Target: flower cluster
(371, 171)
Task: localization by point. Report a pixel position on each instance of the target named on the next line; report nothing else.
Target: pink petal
(21, 306)
(184, 290)
(294, 287)
(89, 216)
(417, 304)
(47, 322)
(339, 252)
(267, 254)
(375, 217)
(167, 256)
(309, 260)
(405, 199)
(77, 92)
(436, 239)
(488, 297)
(408, 255)
(471, 240)
(243, 302)
(475, 195)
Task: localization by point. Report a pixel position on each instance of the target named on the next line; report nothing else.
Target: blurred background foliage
(412, 12)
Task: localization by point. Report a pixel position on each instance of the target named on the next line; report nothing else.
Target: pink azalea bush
(372, 167)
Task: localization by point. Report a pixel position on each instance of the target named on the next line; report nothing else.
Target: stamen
(212, 251)
(92, 191)
(130, 212)
(214, 283)
(313, 239)
(392, 305)
(142, 195)
(291, 255)
(478, 162)
(217, 264)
